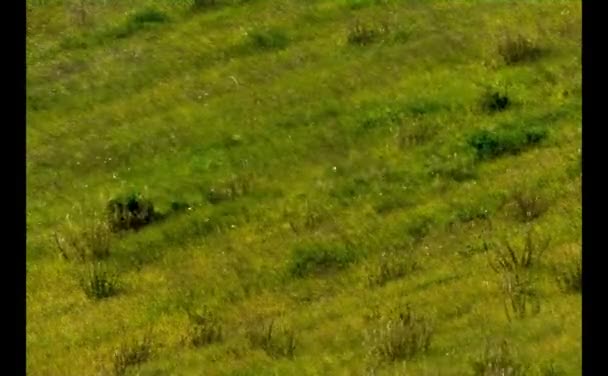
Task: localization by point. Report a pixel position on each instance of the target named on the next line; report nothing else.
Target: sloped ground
(318, 165)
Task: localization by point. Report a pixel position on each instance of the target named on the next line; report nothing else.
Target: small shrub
(570, 276)
(317, 258)
(89, 241)
(529, 206)
(129, 355)
(401, 337)
(517, 49)
(148, 16)
(138, 21)
(477, 246)
(392, 266)
(362, 34)
(415, 134)
(97, 283)
(514, 268)
(492, 144)
(498, 360)
(205, 329)
(268, 39)
(179, 206)
(511, 260)
(494, 101)
(130, 213)
(229, 190)
(276, 343)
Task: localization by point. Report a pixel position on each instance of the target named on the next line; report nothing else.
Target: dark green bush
(130, 212)
(268, 39)
(492, 144)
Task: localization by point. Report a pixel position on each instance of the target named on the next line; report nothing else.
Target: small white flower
(335, 168)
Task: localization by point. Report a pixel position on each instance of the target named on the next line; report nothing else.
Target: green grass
(317, 165)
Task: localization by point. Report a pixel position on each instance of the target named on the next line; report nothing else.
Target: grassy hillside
(337, 187)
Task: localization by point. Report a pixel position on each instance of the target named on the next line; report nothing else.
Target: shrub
(319, 258)
(97, 283)
(401, 337)
(511, 260)
(364, 34)
(234, 187)
(498, 360)
(130, 212)
(276, 343)
(529, 206)
(514, 268)
(492, 144)
(205, 329)
(391, 266)
(129, 355)
(268, 39)
(137, 21)
(416, 133)
(89, 241)
(477, 246)
(517, 49)
(494, 101)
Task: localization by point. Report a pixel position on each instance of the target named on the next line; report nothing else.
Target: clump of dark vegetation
(130, 212)
(202, 4)
(363, 34)
(516, 49)
(129, 355)
(391, 266)
(494, 101)
(318, 258)
(98, 283)
(498, 360)
(492, 144)
(477, 246)
(268, 39)
(401, 336)
(205, 328)
(529, 205)
(138, 21)
(276, 342)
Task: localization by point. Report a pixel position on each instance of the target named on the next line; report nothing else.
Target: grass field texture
(346, 187)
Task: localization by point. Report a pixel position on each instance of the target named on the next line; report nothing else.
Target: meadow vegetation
(324, 187)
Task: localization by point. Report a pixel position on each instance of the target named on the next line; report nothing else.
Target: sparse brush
(514, 267)
(391, 266)
(362, 34)
(401, 336)
(98, 283)
(275, 342)
(498, 360)
(129, 355)
(90, 240)
(517, 49)
(510, 260)
(530, 205)
(205, 329)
